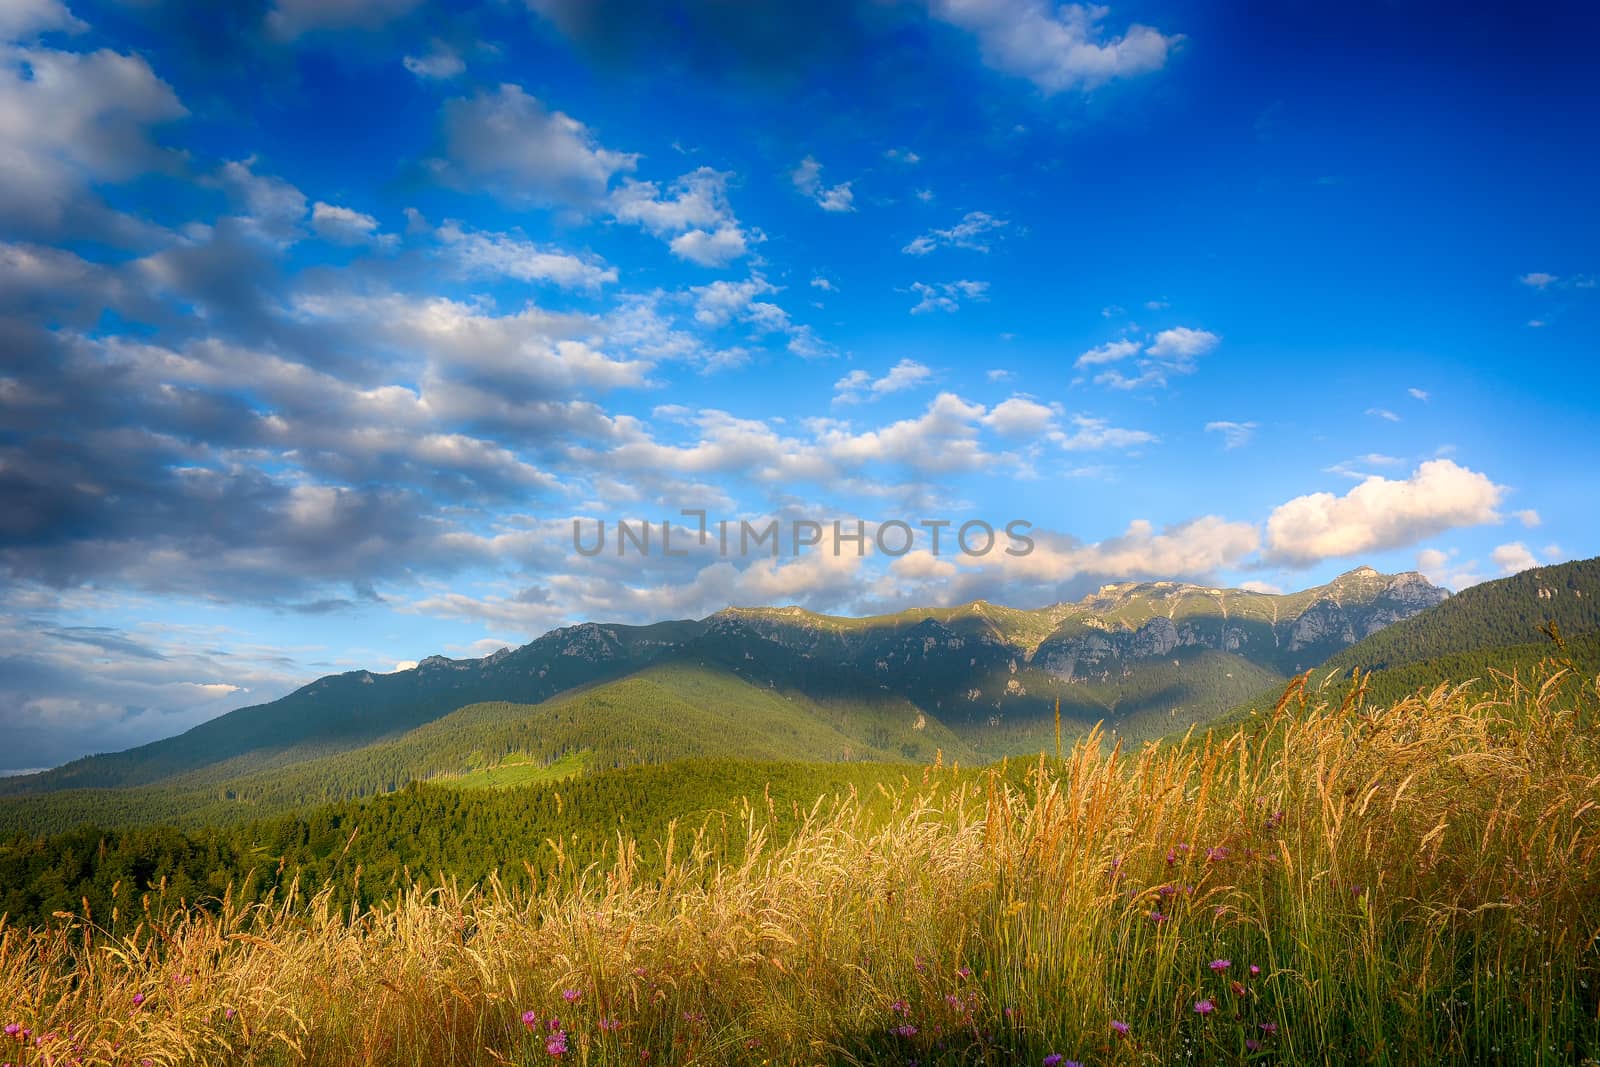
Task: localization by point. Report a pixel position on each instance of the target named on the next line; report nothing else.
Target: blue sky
(324, 321)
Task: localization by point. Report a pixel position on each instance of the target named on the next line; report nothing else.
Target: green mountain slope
(1126, 655)
(1495, 626)
(670, 711)
(1507, 611)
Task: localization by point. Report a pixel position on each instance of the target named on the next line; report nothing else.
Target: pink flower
(138, 999)
(1269, 1028)
(1120, 1027)
(570, 995)
(1157, 917)
(557, 1044)
(1204, 1007)
(1221, 965)
(1254, 970)
(610, 1024)
(530, 1019)
(906, 1030)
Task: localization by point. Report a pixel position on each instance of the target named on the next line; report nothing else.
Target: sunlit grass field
(1411, 884)
(521, 769)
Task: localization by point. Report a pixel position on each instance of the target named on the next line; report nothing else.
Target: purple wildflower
(1269, 1028)
(138, 999)
(964, 973)
(1204, 1007)
(557, 1044)
(530, 1019)
(571, 995)
(1252, 1045)
(1157, 917)
(610, 1024)
(900, 1007)
(1120, 1027)
(1053, 1060)
(906, 1030)
(1254, 970)
(1221, 965)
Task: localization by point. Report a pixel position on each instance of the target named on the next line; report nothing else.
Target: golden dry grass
(1414, 884)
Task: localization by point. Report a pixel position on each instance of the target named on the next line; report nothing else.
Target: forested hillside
(669, 712)
(1507, 611)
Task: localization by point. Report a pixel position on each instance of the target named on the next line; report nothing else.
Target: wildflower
(228, 1013)
(12, 1029)
(1269, 1028)
(530, 1019)
(1254, 970)
(1204, 1007)
(1157, 917)
(964, 973)
(906, 1030)
(1252, 1045)
(900, 1007)
(138, 999)
(1215, 855)
(610, 1024)
(1053, 1060)
(1120, 1027)
(570, 995)
(1221, 965)
(557, 1044)
(1237, 987)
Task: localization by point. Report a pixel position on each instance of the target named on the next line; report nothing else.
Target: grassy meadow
(1414, 883)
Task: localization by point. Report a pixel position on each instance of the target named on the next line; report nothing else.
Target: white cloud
(710, 248)
(1020, 416)
(346, 226)
(1095, 433)
(1513, 558)
(807, 178)
(70, 119)
(693, 214)
(946, 296)
(511, 145)
(1381, 513)
(503, 255)
(1110, 352)
(999, 374)
(1538, 279)
(1353, 468)
(902, 155)
(971, 232)
(22, 19)
(439, 64)
(272, 209)
(1383, 413)
(1055, 48)
(1256, 586)
(819, 282)
(1174, 351)
(859, 385)
(1234, 434)
(1417, 394)
(1529, 518)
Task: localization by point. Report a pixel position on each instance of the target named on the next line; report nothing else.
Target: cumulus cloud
(1514, 557)
(860, 385)
(1110, 352)
(693, 215)
(807, 178)
(442, 63)
(503, 255)
(1529, 518)
(70, 120)
(946, 296)
(1538, 279)
(22, 19)
(1174, 351)
(347, 226)
(1056, 48)
(973, 231)
(512, 145)
(1381, 514)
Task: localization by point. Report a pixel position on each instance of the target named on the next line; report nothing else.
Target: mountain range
(976, 681)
